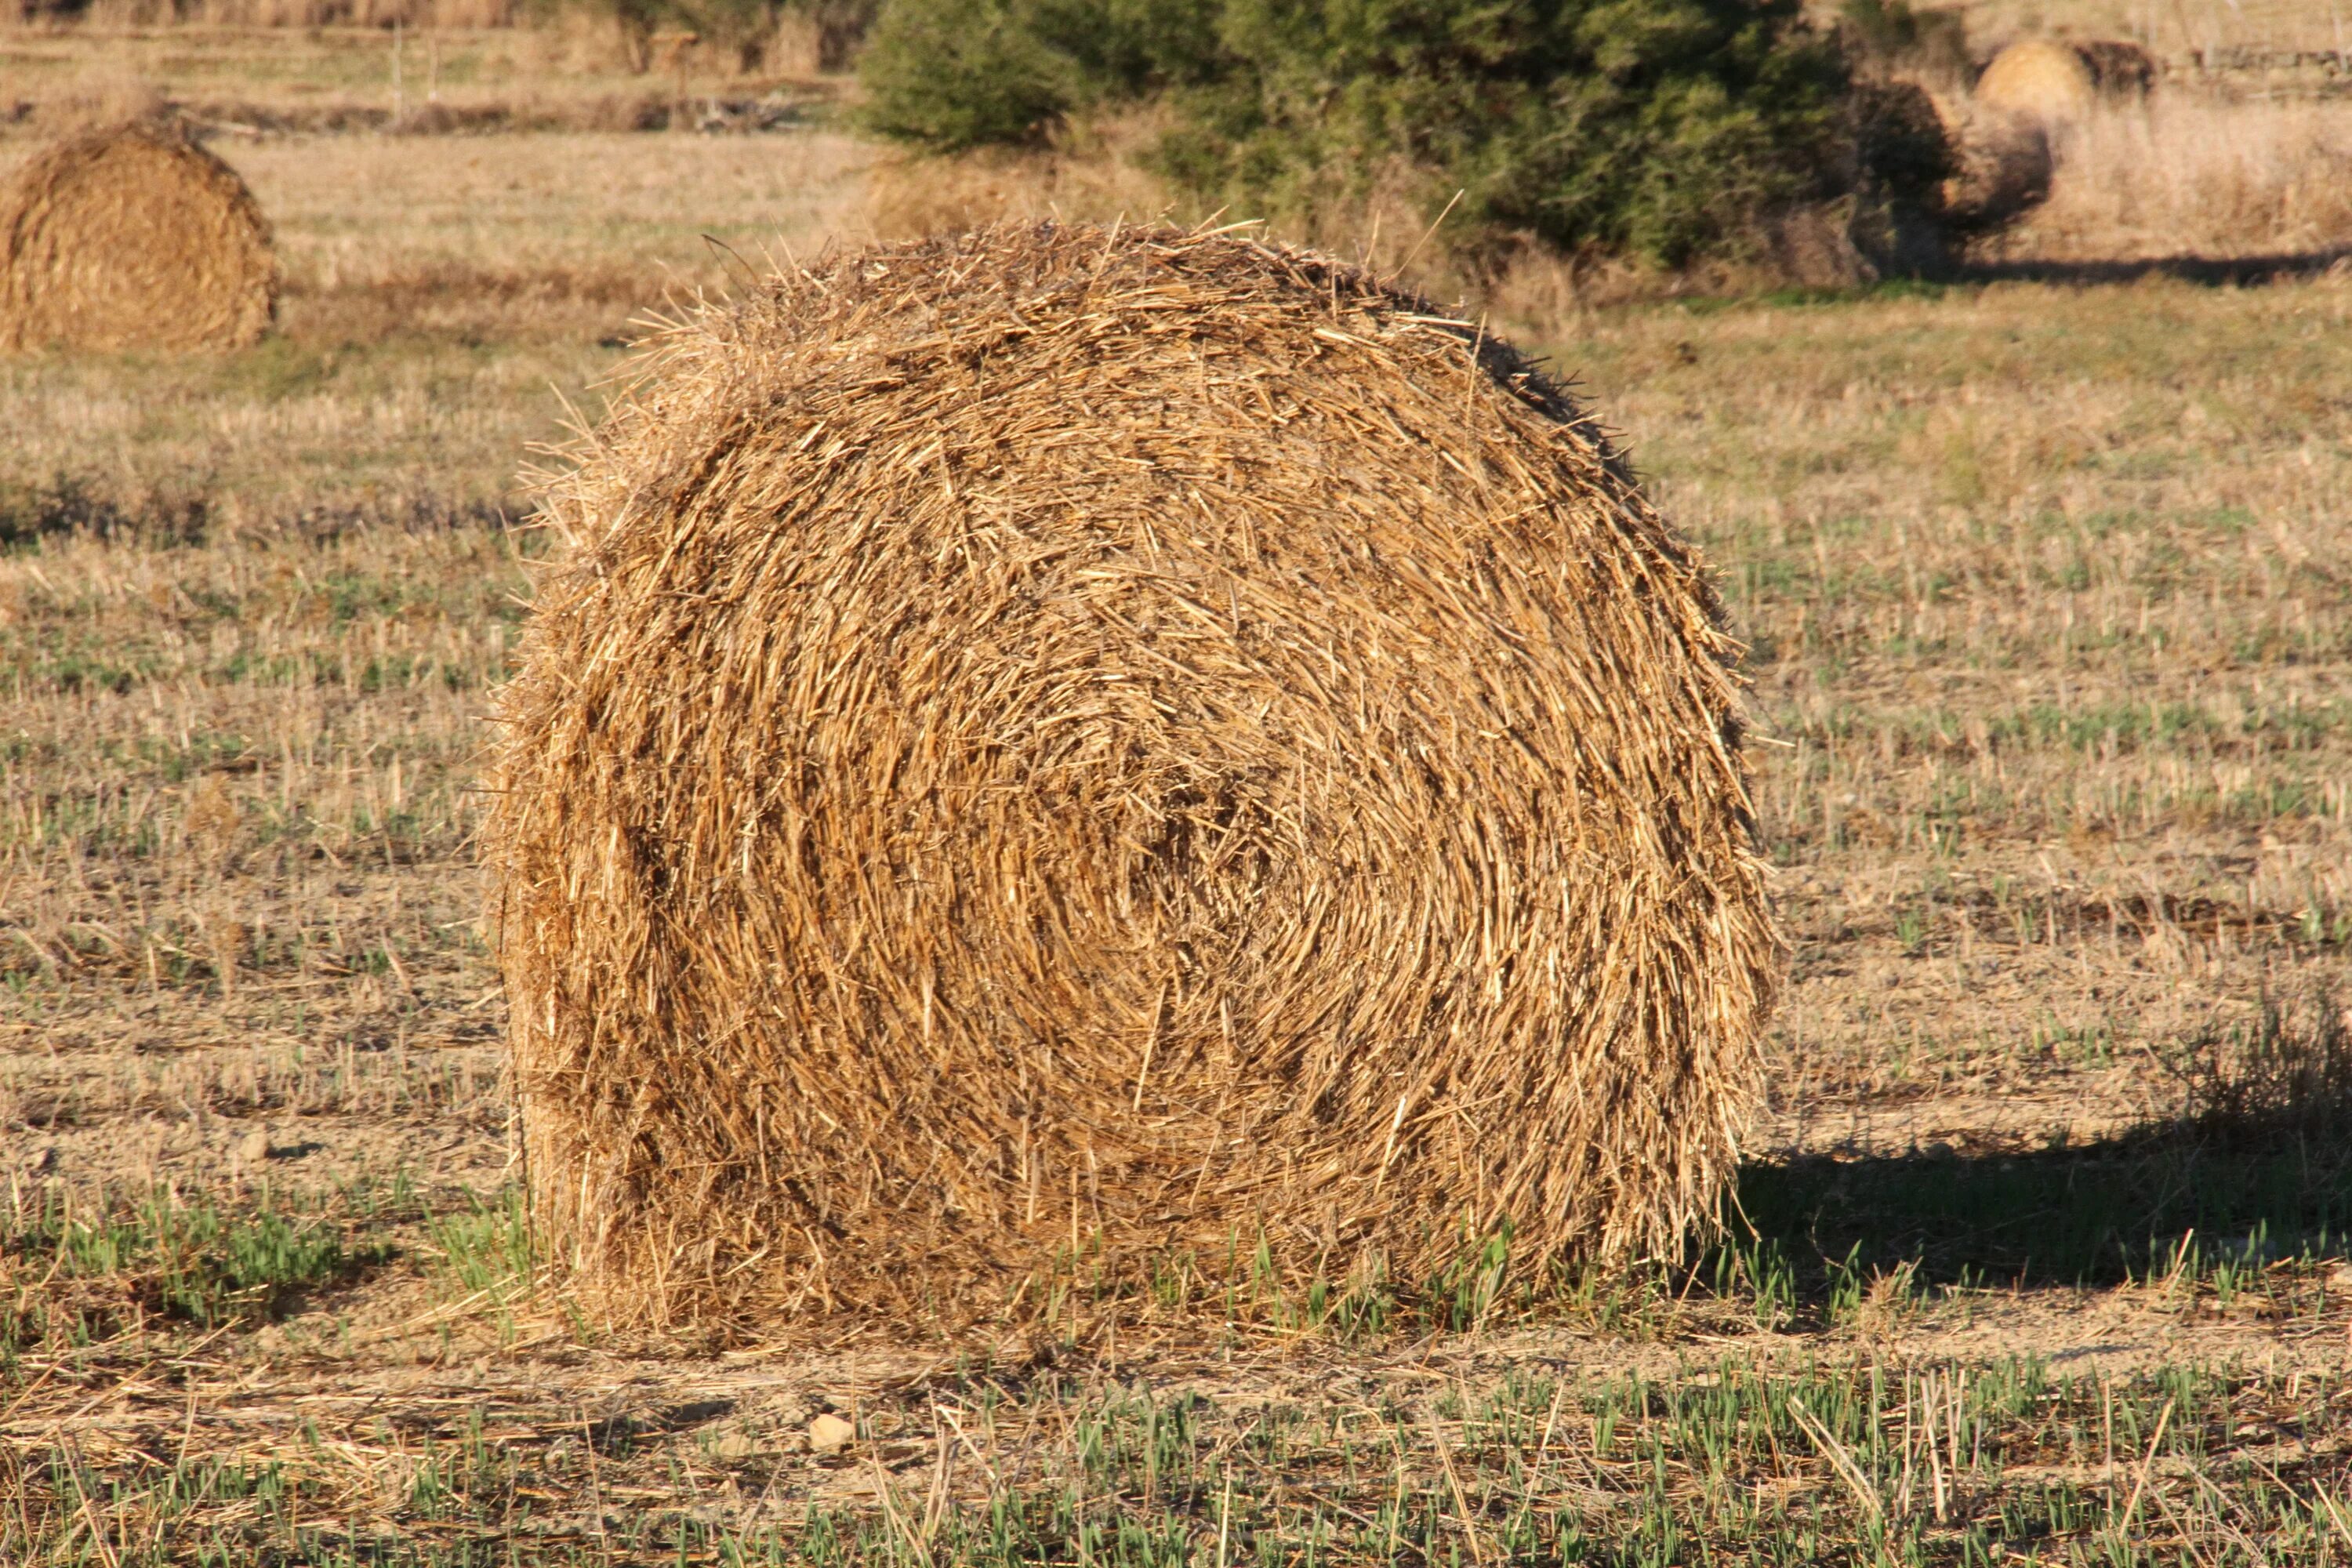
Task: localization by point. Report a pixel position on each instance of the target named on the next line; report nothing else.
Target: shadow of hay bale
(1068, 748)
(2256, 1152)
(136, 238)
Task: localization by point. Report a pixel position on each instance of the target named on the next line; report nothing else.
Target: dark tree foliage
(1662, 128)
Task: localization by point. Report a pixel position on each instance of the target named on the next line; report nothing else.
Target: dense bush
(953, 73)
(1664, 128)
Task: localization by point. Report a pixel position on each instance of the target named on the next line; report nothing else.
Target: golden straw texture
(133, 238)
(1133, 738)
(2040, 79)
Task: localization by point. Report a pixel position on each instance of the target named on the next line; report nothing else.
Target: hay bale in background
(1138, 738)
(133, 238)
(2008, 136)
(2039, 80)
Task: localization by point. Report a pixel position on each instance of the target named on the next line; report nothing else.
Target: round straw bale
(1143, 742)
(2040, 80)
(133, 238)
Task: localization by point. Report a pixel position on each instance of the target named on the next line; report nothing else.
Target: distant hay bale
(133, 238)
(1135, 740)
(2040, 80)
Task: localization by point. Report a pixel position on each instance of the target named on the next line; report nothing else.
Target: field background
(2047, 574)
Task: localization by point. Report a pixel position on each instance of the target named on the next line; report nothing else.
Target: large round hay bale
(2040, 80)
(133, 238)
(1138, 741)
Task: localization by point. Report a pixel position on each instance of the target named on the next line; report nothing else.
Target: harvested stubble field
(2044, 1253)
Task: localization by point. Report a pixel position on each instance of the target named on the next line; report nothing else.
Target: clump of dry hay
(133, 238)
(1123, 741)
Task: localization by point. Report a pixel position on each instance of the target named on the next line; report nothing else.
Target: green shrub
(1662, 128)
(954, 74)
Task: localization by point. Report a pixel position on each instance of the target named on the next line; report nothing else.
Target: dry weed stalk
(133, 238)
(1063, 740)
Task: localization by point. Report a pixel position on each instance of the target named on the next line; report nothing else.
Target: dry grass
(1056, 790)
(2184, 176)
(2171, 31)
(515, 207)
(374, 15)
(578, 73)
(2047, 582)
(1093, 175)
(252, 838)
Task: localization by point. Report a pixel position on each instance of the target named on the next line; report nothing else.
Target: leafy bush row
(1665, 129)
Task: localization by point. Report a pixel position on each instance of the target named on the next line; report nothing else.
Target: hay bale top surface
(133, 238)
(1116, 740)
(2042, 79)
